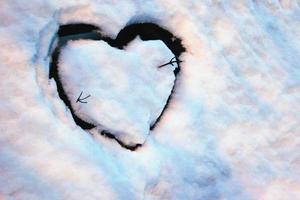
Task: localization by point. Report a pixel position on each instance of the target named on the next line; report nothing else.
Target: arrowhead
(79, 99)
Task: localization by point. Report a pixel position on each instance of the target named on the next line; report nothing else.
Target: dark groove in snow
(146, 31)
(54, 74)
(122, 144)
(73, 29)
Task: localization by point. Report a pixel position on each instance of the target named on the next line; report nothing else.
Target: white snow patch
(128, 89)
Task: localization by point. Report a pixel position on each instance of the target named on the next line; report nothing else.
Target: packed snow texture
(128, 88)
(232, 130)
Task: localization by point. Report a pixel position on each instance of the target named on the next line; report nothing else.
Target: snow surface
(232, 130)
(128, 89)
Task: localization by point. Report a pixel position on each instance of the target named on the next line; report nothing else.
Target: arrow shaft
(171, 62)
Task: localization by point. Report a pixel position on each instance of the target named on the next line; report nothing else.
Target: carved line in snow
(146, 31)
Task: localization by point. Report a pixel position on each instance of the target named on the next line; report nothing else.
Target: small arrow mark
(173, 60)
(81, 100)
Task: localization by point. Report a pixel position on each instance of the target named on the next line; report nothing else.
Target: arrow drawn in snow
(173, 60)
(81, 100)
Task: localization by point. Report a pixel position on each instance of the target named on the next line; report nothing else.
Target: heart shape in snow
(130, 83)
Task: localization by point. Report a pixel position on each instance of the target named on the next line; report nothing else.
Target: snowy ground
(128, 90)
(232, 129)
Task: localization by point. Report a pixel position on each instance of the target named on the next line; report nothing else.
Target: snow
(231, 130)
(128, 89)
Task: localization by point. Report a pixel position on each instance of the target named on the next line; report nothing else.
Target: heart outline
(146, 31)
